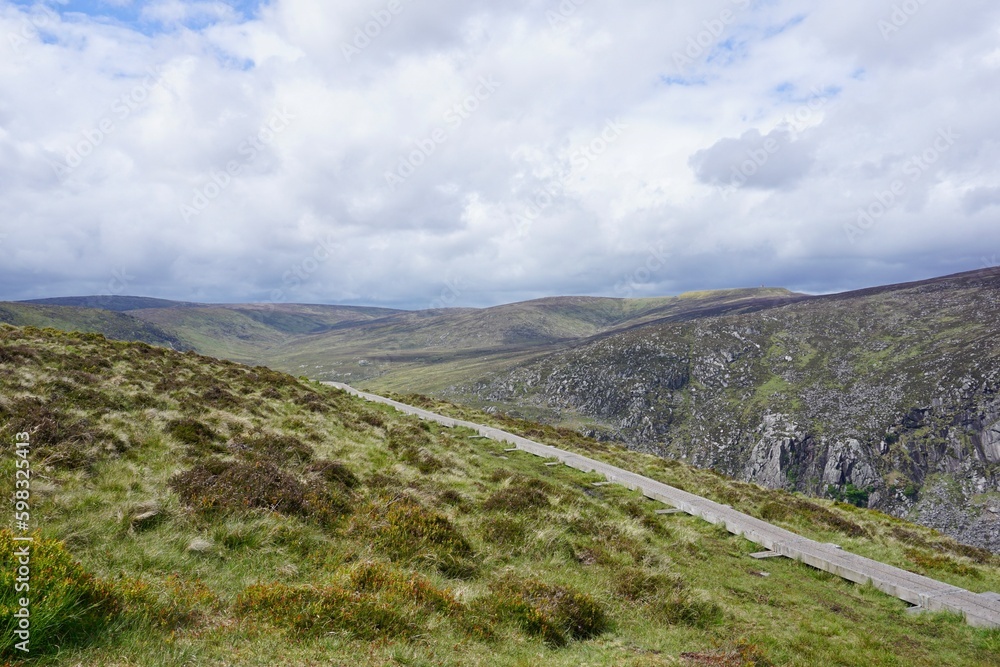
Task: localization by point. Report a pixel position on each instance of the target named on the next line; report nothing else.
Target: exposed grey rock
(200, 546)
(145, 516)
(888, 394)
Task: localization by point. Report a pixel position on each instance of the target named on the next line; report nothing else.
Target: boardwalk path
(981, 610)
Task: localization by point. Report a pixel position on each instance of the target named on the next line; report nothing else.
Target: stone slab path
(982, 610)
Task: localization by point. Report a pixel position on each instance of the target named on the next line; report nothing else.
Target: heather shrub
(555, 614)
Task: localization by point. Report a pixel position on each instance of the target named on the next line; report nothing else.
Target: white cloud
(162, 114)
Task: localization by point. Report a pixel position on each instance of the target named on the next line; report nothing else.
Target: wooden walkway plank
(982, 610)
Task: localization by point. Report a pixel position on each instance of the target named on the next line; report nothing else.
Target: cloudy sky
(459, 152)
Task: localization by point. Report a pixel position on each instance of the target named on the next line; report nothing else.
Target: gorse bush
(403, 529)
(373, 601)
(68, 605)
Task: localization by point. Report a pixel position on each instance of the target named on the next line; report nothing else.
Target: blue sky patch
(131, 13)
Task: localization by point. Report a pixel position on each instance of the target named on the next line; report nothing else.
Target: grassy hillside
(400, 350)
(115, 325)
(193, 511)
(428, 351)
(247, 333)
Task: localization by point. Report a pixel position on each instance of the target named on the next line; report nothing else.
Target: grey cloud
(980, 199)
(456, 216)
(777, 160)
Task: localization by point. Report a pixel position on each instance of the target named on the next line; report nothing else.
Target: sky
(442, 153)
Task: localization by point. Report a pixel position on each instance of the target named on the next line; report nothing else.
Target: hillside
(195, 511)
(884, 396)
(249, 332)
(425, 351)
(242, 332)
(115, 325)
(428, 351)
(887, 396)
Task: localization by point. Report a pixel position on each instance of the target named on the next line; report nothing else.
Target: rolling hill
(186, 510)
(884, 396)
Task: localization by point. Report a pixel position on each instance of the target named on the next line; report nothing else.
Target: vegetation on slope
(888, 395)
(194, 511)
(117, 326)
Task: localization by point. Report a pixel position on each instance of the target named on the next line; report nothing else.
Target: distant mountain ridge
(118, 304)
(887, 396)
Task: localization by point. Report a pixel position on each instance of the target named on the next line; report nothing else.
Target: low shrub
(373, 601)
(743, 654)
(216, 485)
(773, 511)
(220, 398)
(641, 585)
(818, 514)
(280, 449)
(516, 500)
(503, 531)
(941, 562)
(421, 459)
(374, 577)
(402, 529)
(68, 605)
(334, 472)
(226, 485)
(555, 614)
(325, 609)
(62, 438)
(199, 437)
(682, 607)
(520, 494)
(10, 354)
(406, 435)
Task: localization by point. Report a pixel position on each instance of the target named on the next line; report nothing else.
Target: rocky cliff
(886, 398)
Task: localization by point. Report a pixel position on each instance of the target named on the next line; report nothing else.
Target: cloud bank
(387, 152)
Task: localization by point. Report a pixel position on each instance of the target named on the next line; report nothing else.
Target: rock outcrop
(885, 398)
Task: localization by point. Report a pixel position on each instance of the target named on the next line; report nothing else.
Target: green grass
(443, 550)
